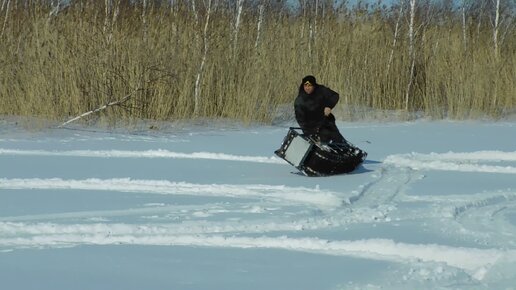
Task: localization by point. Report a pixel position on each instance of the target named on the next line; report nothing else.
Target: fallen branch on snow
(114, 103)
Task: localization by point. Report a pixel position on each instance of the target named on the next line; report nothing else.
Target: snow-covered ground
(200, 207)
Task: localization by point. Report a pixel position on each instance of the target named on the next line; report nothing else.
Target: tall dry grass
(86, 56)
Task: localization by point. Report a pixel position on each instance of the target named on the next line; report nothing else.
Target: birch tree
(412, 52)
(306, 8)
(261, 13)
(314, 36)
(172, 5)
(464, 37)
(112, 10)
(496, 28)
(144, 20)
(108, 6)
(396, 32)
(480, 11)
(200, 71)
(309, 8)
(56, 7)
(312, 20)
(6, 5)
(196, 15)
(240, 5)
(303, 7)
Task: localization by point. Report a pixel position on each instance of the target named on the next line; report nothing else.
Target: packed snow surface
(433, 207)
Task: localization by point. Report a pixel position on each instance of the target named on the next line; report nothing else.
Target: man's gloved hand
(315, 137)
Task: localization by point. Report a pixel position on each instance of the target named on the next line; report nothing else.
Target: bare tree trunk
(315, 19)
(496, 28)
(304, 7)
(196, 15)
(508, 27)
(144, 21)
(109, 6)
(464, 38)
(424, 23)
(6, 16)
(116, 12)
(412, 54)
(112, 10)
(261, 10)
(240, 5)
(312, 20)
(480, 16)
(396, 32)
(4, 2)
(55, 9)
(107, 25)
(411, 27)
(197, 91)
(311, 36)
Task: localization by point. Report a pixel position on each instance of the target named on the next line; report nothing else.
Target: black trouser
(329, 132)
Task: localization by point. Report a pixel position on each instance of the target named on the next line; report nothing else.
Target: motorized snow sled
(319, 159)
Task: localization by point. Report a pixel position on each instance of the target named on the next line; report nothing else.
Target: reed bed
(175, 62)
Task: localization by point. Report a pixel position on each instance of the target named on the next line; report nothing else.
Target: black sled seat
(319, 159)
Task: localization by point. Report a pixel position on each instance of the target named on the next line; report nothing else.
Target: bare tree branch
(114, 103)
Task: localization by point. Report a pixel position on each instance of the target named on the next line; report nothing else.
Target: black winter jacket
(309, 108)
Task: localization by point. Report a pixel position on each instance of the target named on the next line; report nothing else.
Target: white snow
(142, 154)
(466, 162)
(433, 207)
(278, 192)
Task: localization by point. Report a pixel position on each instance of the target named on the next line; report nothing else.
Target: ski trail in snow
(467, 156)
(317, 197)
(489, 220)
(465, 162)
(473, 260)
(143, 154)
(147, 210)
(262, 223)
(486, 218)
(184, 228)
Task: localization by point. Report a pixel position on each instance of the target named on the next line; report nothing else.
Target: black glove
(315, 137)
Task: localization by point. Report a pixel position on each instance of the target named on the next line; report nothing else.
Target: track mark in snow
(474, 261)
(143, 154)
(494, 201)
(387, 186)
(367, 187)
(465, 162)
(176, 210)
(317, 197)
(18, 229)
(468, 156)
(488, 220)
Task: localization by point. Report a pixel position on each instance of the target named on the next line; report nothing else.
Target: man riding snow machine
(314, 158)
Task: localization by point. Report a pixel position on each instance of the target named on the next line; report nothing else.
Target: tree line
(242, 59)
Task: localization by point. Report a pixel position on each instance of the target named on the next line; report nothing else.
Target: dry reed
(86, 56)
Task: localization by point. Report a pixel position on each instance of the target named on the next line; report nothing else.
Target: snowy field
(433, 207)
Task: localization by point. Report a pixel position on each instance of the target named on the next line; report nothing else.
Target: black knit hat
(310, 80)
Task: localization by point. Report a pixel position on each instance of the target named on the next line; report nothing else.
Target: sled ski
(319, 159)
